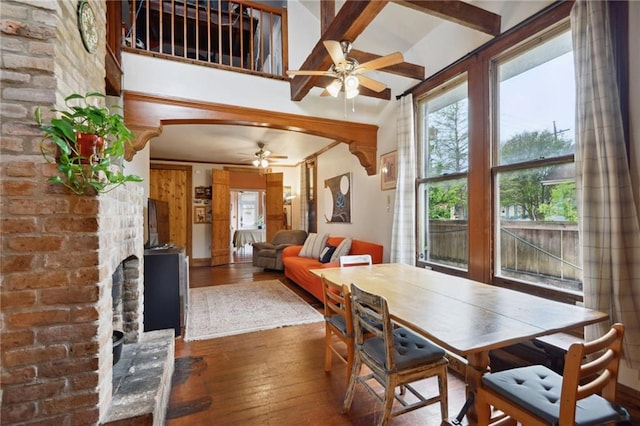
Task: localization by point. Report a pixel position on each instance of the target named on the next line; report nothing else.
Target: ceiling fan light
(351, 82)
(264, 163)
(351, 93)
(256, 162)
(334, 88)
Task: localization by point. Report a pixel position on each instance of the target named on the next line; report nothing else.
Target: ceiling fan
(347, 72)
(262, 156)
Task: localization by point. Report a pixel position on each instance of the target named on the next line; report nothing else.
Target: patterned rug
(224, 310)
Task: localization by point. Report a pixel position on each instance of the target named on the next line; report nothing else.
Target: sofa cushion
(325, 255)
(313, 245)
(342, 250)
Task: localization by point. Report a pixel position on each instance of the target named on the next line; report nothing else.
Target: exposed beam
(349, 23)
(327, 13)
(146, 115)
(459, 12)
(403, 69)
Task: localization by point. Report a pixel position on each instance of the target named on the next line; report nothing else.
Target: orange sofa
(297, 268)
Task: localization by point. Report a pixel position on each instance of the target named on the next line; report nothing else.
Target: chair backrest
(370, 311)
(289, 236)
(337, 301)
(590, 368)
(355, 259)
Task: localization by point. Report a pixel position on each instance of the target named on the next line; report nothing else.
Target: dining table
(242, 237)
(465, 317)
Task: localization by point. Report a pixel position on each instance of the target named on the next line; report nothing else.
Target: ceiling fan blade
(335, 51)
(372, 84)
(381, 62)
(278, 157)
(291, 73)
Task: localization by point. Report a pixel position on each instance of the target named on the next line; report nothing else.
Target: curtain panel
(403, 238)
(609, 229)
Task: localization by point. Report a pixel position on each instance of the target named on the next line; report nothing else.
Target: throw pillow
(343, 249)
(313, 245)
(325, 255)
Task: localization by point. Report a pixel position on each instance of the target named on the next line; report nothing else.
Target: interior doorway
(247, 216)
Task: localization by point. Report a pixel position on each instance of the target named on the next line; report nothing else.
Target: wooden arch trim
(146, 114)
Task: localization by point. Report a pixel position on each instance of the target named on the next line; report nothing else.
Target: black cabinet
(166, 289)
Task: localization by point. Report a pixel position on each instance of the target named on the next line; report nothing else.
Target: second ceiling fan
(347, 72)
(262, 156)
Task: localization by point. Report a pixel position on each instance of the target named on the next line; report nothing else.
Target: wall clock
(87, 26)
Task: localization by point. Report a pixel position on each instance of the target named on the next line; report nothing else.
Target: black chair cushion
(411, 350)
(537, 389)
(339, 322)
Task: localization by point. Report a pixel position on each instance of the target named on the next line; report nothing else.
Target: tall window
(535, 216)
(442, 184)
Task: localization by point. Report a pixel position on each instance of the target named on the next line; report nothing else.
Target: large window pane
(537, 103)
(444, 223)
(536, 234)
(444, 162)
(447, 132)
(537, 227)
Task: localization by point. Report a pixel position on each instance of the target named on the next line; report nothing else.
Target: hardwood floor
(273, 377)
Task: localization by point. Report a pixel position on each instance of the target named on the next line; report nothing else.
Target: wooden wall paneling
(274, 219)
(221, 217)
(172, 183)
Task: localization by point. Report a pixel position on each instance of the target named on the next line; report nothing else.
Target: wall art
(337, 199)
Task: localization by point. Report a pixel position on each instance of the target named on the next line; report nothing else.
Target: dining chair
(584, 394)
(396, 358)
(338, 323)
(355, 259)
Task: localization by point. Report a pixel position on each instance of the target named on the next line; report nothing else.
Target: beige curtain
(403, 239)
(609, 229)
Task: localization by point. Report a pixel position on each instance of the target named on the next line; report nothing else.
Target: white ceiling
(230, 144)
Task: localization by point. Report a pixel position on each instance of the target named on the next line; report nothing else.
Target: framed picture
(203, 192)
(200, 214)
(388, 170)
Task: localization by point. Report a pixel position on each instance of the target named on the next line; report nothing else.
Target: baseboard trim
(203, 261)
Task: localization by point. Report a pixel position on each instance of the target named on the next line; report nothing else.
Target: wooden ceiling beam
(403, 69)
(459, 12)
(352, 19)
(327, 13)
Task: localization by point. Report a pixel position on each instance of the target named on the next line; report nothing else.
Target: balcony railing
(239, 35)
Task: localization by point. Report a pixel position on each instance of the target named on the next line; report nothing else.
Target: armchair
(268, 255)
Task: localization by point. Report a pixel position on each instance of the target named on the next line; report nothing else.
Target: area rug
(229, 309)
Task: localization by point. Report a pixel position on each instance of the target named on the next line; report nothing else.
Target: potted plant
(88, 145)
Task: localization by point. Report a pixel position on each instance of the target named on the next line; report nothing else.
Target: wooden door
(220, 221)
(172, 184)
(274, 204)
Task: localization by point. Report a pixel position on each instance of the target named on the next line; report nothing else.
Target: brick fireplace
(59, 251)
(57, 305)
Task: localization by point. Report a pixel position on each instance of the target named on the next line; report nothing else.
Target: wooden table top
(462, 315)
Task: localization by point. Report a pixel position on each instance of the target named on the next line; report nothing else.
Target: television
(158, 234)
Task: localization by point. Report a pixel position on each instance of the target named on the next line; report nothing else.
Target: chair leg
(327, 349)
(389, 396)
(444, 397)
(483, 409)
(355, 372)
(350, 354)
